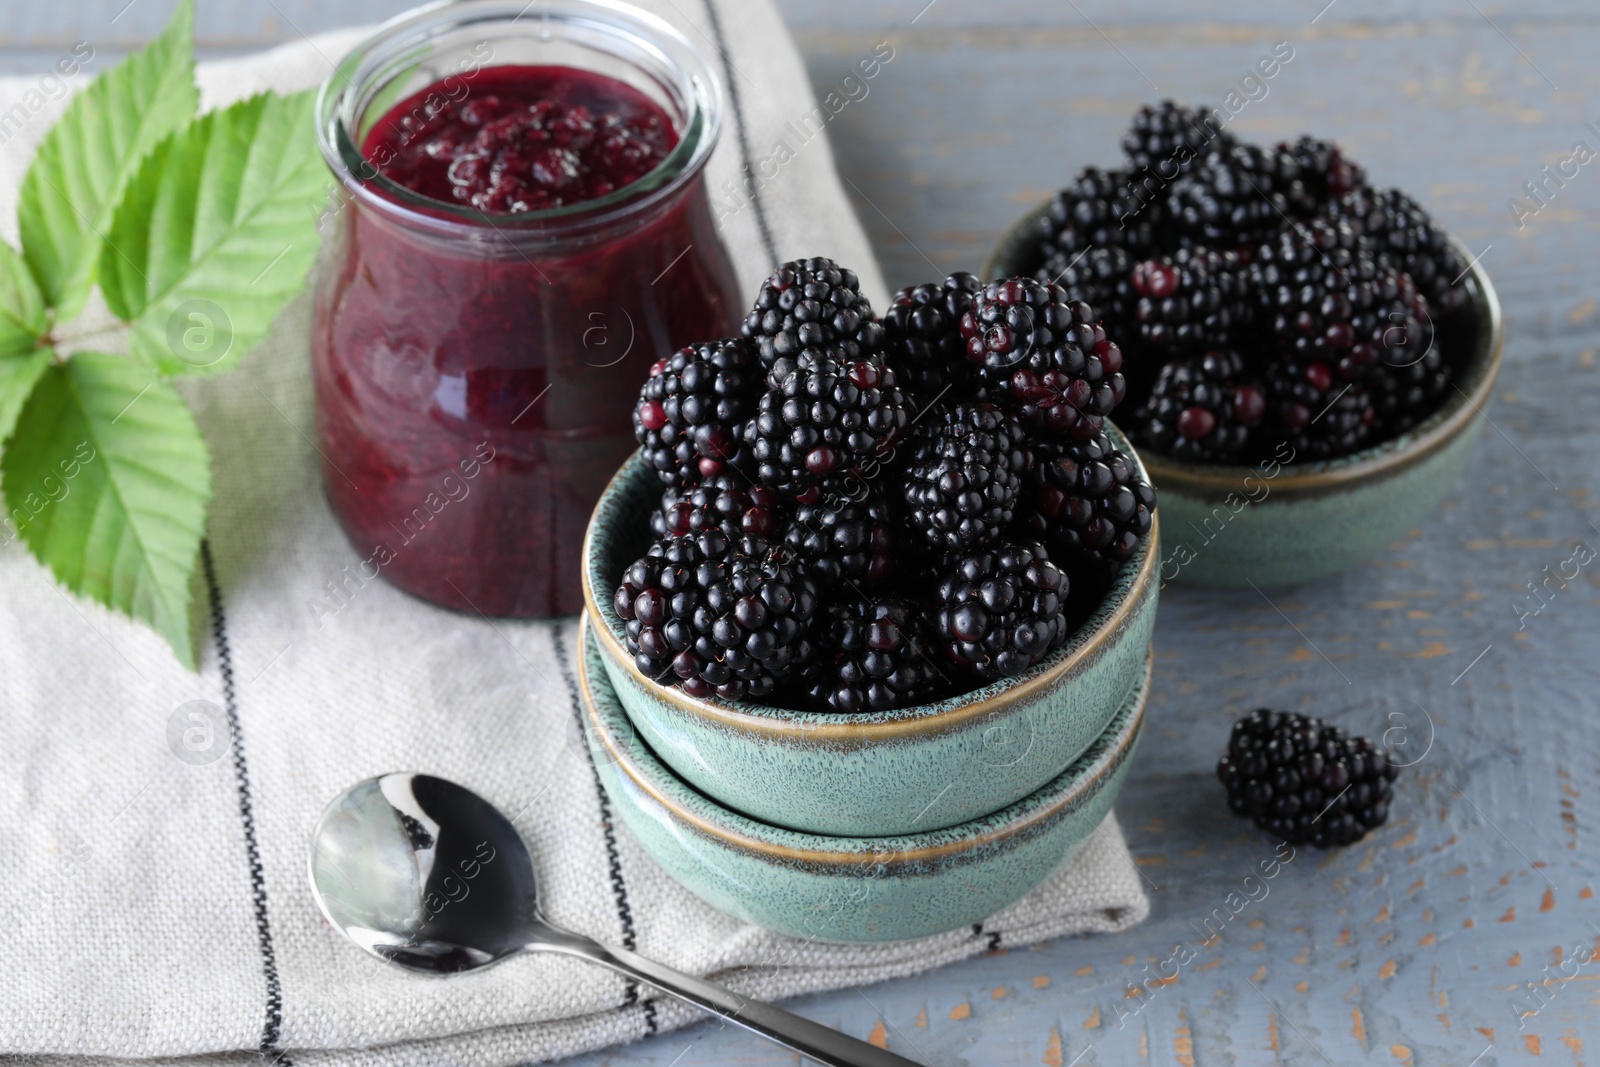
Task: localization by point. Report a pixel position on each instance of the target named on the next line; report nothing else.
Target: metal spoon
(427, 874)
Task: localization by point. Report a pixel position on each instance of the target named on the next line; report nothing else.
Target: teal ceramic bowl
(1280, 524)
(831, 888)
(898, 772)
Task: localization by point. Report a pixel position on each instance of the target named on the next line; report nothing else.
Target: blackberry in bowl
(975, 743)
(1302, 393)
(925, 549)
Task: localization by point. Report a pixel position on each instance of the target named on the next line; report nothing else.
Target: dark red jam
(523, 139)
(474, 388)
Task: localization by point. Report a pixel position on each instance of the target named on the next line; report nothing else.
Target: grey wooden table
(1427, 943)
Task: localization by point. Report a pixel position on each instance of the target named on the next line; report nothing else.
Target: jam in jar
(517, 240)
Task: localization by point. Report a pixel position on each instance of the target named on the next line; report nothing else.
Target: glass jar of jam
(521, 230)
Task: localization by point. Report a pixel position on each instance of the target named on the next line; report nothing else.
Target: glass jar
(475, 373)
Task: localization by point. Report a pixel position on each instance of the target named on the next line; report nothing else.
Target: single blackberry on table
(1098, 210)
(1305, 781)
(1312, 411)
(1086, 500)
(1328, 295)
(1233, 198)
(728, 619)
(729, 503)
(923, 342)
(1406, 395)
(691, 407)
(1202, 408)
(1326, 173)
(871, 655)
(963, 475)
(1400, 228)
(1168, 140)
(849, 540)
(823, 422)
(1000, 610)
(809, 303)
(1193, 298)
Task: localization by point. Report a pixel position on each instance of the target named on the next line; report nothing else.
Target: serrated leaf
(22, 324)
(22, 317)
(18, 375)
(76, 179)
(107, 480)
(212, 237)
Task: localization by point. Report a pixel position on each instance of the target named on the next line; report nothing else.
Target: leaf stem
(57, 339)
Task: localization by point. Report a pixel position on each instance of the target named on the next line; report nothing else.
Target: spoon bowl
(396, 860)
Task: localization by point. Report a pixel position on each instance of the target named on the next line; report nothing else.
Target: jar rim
(340, 97)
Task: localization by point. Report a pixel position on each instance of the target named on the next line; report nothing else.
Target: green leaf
(77, 177)
(212, 237)
(18, 375)
(22, 316)
(22, 323)
(107, 480)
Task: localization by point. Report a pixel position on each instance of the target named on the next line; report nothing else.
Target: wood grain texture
(1409, 948)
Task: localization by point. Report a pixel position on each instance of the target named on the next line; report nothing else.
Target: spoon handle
(810, 1039)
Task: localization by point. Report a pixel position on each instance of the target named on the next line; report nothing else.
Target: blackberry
(1328, 296)
(1069, 387)
(690, 409)
(1326, 173)
(1024, 337)
(823, 422)
(1087, 501)
(1000, 610)
(809, 303)
(1317, 415)
(1168, 140)
(963, 476)
(1098, 210)
(1202, 408)
(1399, 228)
(923, 336)
(1008, 319)
(851, 541)
(728, 503)
(1404, 396)
(1193, 298)
(1233, 198)
(1305, 781)
(728, 619)
(871, 655)
(1100, 277)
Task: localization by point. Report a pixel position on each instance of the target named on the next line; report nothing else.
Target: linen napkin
(155, 902)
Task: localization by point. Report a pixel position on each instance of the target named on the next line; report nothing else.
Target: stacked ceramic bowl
(866, 827)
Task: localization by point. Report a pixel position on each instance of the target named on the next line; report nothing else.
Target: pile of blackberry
(859, 514)
(1305, 781)
(1267, 301)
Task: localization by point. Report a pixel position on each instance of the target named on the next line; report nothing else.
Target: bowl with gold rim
(908, 770)
(850, 888)
(1281, 522)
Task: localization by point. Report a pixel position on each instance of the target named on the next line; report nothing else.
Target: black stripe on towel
(271, 1028)
(619, 886)
(753, 185)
